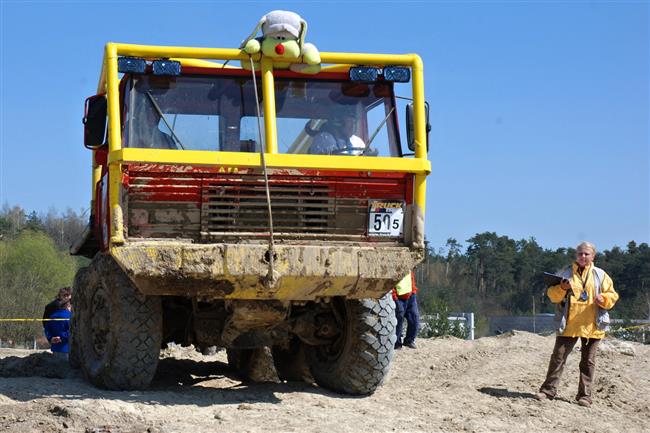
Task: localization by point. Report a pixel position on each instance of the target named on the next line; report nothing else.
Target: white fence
(464, 320)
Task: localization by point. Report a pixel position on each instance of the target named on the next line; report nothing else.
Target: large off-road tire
(120, 330)
(359, 360)
(254, 365)
(237, 359)
(290, 362)
(80, 280)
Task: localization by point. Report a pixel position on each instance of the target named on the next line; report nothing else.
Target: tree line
(495, 275)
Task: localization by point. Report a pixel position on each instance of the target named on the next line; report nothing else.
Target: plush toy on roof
(283, 37)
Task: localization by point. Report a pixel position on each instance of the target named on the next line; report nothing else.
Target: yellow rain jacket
(581, 320)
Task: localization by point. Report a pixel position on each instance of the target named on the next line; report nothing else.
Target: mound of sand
(43, 364)
(446, 385)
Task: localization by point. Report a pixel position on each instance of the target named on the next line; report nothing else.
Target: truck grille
(189, 202)
(299, 206)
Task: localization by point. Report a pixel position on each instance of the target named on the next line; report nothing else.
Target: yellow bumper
(238, 271)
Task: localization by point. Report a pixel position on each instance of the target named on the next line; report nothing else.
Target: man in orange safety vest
(406, 307)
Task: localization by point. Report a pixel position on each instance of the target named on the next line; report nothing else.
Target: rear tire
(358, 362)
(254, 365)
(120, 330)
(237, 359)
(291, 363)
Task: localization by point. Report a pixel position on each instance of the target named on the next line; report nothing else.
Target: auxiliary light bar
(397, 74)
(135, 65)
(369, 74)
(166, 67)
(131, 65)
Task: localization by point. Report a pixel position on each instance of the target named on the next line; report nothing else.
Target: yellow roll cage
(117, 156)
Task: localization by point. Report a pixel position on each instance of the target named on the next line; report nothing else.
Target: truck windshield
(314, 116)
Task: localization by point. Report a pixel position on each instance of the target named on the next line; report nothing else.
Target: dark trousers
(563, 346)
(407, 309)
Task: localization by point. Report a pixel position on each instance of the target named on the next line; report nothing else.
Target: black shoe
(398, 346)
(411, 345)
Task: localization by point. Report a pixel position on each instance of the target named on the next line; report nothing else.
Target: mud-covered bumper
(239, 271)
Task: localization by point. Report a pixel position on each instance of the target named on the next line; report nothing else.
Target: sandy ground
(445, 385)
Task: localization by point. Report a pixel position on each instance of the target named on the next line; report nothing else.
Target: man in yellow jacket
(585, 294)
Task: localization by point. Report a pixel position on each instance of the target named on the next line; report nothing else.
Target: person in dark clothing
(406, 307)
(64, 296)
(57, 331)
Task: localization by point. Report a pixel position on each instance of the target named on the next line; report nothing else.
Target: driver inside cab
(338, 136)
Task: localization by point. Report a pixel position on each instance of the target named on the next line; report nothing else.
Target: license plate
(386, 218)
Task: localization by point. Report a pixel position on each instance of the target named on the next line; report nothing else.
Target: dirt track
(445, 385)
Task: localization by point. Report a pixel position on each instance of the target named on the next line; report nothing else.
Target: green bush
(436, 323)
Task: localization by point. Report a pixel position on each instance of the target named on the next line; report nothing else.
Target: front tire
(120, 330)
(359, 360)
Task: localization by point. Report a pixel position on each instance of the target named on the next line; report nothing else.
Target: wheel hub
(334, 327)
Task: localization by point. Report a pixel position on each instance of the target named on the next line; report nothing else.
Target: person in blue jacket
(64, 295)
(57, 332)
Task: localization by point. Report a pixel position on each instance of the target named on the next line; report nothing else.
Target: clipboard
(552, 279)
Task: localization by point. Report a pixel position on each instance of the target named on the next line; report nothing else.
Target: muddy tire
(254, 365)
(237, 360)
(119, 329)
(74, 359)
(290, 362)
(80, 281)
(359, 360)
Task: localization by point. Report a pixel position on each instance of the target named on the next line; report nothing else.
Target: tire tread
(365, 361)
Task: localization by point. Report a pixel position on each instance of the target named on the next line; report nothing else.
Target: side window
(249, 135)
(400, 106)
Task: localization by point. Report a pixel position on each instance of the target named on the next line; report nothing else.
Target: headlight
(364, 73)
(131, 65)
(166, 67)
(398, 74)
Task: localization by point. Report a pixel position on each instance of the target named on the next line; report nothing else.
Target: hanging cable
(271, 277)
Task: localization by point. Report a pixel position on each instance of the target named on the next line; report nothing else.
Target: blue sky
(540, 110)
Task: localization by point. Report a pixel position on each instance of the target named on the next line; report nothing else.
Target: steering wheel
(309, 130)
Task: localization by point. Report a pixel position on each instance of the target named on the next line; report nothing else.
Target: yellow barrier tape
(30, 320)
(645, 325)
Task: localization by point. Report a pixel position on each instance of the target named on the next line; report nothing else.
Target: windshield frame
(109, 82)
(389, 123)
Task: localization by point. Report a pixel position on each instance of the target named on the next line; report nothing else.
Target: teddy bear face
(280, 45)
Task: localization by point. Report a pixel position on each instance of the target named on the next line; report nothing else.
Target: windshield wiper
(374, 134)
(162, 116)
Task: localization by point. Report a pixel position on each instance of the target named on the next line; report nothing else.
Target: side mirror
(410, 128)
(95, 121)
